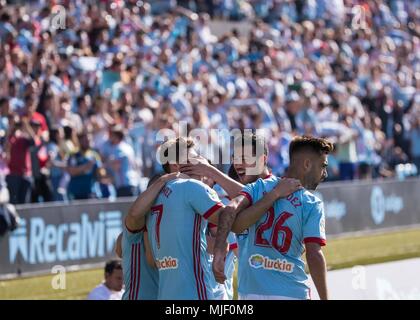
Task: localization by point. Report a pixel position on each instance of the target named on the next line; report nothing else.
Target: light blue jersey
(140, 280)
(230, 265)
(176, 227)
(225, 291)
(271, 252)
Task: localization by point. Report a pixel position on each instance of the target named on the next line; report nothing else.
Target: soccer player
(280, 230)
(140, 272)
(177, 226)
(244, 158)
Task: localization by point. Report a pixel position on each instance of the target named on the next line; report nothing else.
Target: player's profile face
(318, 172)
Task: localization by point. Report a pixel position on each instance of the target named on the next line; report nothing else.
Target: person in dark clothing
(82, 167)
(19, 140)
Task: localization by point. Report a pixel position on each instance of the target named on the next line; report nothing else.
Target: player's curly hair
(312, 144)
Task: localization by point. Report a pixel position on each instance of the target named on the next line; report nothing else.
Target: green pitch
(340, 253)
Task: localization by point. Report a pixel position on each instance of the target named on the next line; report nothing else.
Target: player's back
(140, 279)
(177, 234)
(271, 253)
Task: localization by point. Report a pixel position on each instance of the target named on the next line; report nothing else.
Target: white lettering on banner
(380, 204)
(45, 242)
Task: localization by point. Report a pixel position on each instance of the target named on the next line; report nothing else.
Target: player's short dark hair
(311, 144)
(256, 140)
(178, 145)
(112, 265)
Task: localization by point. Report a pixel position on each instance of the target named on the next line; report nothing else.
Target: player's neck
(265, 173)
(293, 173)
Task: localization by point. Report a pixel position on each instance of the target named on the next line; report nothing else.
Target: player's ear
(307, 164)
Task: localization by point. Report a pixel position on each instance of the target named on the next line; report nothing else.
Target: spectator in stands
(415, 143)
(304, 67)
(41, 187)
(119, 159)
(82, 167)
(19, 140)
(57, 163)
(112, 287)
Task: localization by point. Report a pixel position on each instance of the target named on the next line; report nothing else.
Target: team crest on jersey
(167, 263)
(258, 261)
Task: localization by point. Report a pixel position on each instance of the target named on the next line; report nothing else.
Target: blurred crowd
(80, 106)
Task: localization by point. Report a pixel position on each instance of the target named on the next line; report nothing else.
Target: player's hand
(287, 186)
(219, 266)
(198, 166)
(174, 175)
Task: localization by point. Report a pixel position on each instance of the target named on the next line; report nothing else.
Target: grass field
(340, 253)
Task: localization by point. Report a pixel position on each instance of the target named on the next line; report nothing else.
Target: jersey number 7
(278, 227)
(158, 210)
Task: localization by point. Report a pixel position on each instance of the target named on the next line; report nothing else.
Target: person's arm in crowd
(317, 268)
(82, 169)
(203, 168)
(252, 214)
(27, 129)
(135, 219)
(186, 13)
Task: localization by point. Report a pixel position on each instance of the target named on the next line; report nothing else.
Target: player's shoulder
(267, 181)
(309, 200)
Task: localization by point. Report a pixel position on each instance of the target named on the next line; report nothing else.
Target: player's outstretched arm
(135, 219)
(249, 216)
(202, 167)
(225, 221)
(317, 268)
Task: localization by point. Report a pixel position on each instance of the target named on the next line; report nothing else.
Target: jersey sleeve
(202, 198)
(314, 223)
(249, 192)
(132, 236)
(233, 243)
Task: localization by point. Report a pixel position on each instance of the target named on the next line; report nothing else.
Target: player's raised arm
(249, 216)
(135, 219)
(203, 168)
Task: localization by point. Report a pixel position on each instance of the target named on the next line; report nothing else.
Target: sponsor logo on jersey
(258, 261)
(167, 263)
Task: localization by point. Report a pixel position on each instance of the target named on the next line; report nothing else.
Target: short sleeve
(314, 224)
(132, 236)
(248, 191)
(202, 198)
(233, 243)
